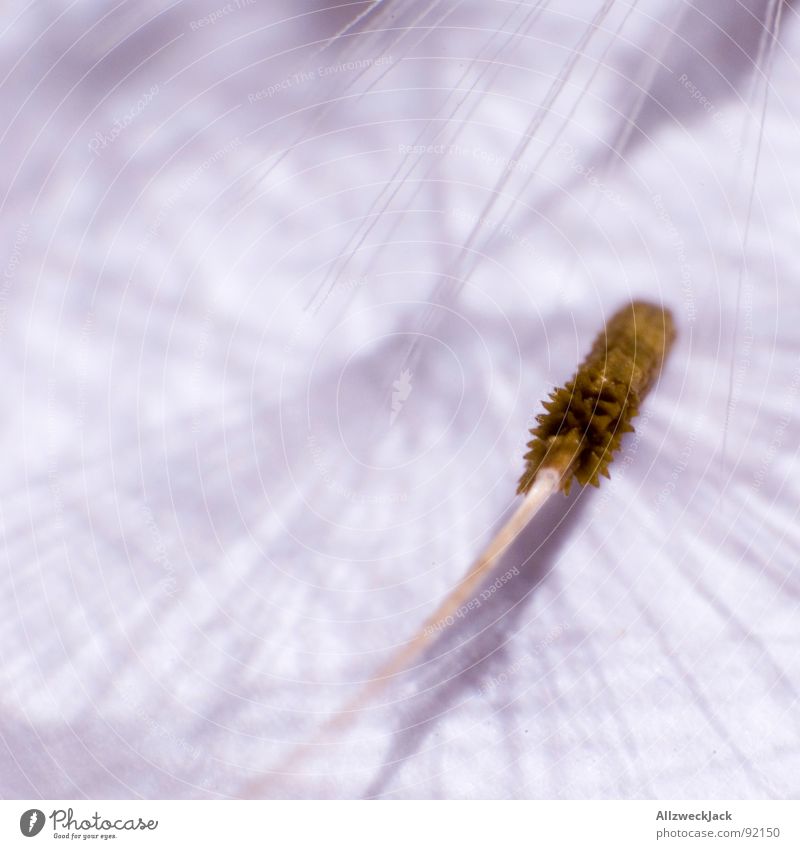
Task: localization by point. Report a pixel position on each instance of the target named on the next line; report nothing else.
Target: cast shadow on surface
(481, 651)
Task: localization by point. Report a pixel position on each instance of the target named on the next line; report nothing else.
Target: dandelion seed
(575, 440)
(401, 390)
(584, 422)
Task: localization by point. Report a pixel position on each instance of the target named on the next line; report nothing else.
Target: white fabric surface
(213, 529)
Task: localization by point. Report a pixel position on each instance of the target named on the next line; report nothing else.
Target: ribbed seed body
(584, 422)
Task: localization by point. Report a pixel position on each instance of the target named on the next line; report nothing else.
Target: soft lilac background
(212, 530)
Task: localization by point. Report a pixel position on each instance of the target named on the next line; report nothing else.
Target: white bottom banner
(400, 825)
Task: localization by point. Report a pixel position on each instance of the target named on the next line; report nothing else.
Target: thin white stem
(546, 483)
(543, 487)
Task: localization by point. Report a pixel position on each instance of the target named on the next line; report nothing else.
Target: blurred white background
(224, 226)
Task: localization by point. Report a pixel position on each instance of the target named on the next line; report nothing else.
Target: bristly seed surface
(584, 422)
